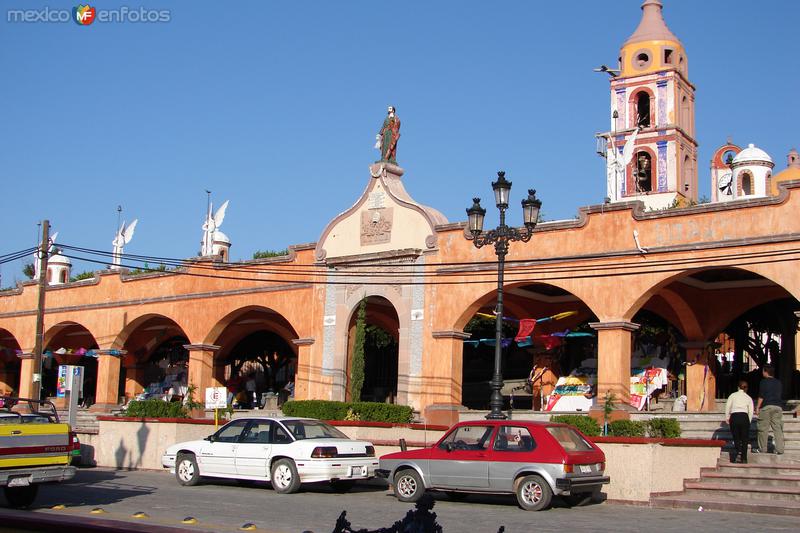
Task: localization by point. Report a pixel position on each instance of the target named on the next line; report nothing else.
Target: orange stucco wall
(594, 258)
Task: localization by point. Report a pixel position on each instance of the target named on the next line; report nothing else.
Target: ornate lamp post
(500, 237)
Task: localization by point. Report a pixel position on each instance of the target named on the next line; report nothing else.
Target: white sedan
(284, 451)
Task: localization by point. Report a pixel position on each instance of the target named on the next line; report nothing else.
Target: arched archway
(154, 358)
(381, 349)
(256, 355)
(560, 343)
(721, 312)
(9, 363)
(69, 343)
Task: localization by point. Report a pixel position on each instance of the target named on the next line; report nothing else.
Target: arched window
(63, 276)
(642, 175)
(747, 184)
(643, 110)
(222, 255)
(687, 173)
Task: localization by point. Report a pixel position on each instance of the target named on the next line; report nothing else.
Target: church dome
(752, 154)
(58, 260)
(220, 237)
(791, 172)
(652, 47)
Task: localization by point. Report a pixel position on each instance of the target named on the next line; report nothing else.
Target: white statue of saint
(210, 226)
(617, 164)
(123, 237)
(36, 259)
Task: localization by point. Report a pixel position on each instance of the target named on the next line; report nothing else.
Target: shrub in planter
(626, 428)
(156, 409)
(585, 424)
(364, 411)
(664, 428)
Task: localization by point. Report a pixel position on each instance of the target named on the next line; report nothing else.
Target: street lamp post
(500, 237)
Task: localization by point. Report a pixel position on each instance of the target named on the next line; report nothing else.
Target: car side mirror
(210, 438)
(448, 446)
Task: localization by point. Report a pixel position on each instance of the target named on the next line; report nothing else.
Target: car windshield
(569, 439)
(312, 429)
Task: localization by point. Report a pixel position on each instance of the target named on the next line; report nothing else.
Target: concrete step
(720, 503)
(702, 489)
(754, 478)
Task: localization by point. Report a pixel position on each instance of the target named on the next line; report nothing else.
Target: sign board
(70, 378)
(216, 398)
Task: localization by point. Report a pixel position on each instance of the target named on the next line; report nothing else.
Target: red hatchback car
(533, 460)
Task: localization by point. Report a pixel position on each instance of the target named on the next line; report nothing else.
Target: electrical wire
(544, 266)
(511, 277)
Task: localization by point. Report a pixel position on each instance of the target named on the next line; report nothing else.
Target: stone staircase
(85, 420)
(768, 484)
(714, 426)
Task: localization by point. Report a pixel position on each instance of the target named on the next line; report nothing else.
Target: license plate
(22, 481)
(586, 469)
(356, 471)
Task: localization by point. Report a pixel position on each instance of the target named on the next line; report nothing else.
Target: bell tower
(651, 152)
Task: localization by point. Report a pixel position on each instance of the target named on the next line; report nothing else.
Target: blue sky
(275, 106)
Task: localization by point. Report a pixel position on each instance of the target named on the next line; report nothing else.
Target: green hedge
(585, 424)
(664, 428)
(364, 411)
(156, 409)
(627, 428)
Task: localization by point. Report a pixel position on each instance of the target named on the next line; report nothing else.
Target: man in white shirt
(739, 413)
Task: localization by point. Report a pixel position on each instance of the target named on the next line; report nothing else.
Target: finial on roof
(652, 26)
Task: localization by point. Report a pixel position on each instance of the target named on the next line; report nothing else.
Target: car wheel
(408, 486)
(533, 493)
(342, 485)
(21, 497)
(285, 479)
(186, 471)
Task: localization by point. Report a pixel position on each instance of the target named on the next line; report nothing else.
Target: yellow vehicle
(35, 448)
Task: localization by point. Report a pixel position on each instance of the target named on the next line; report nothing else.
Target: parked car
(284, 451)
(530, 459)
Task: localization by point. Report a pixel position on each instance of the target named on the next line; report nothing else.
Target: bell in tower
(651, 152)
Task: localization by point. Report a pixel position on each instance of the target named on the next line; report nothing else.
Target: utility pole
(44, 249)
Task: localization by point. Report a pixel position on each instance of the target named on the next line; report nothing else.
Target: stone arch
(9, 361)
(67, 343)
(122, 337)
(280, 325)
(407, 359)
(254, 349)
(522, 299)
(667, 280)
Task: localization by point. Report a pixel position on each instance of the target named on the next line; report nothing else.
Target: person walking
(739, 413)
(769, 411)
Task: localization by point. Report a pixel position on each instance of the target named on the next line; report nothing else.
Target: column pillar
(442, 389)
(134, 380)
(108, 369)
(201, 371)
(701, 380)
(26, 372)
(302, 375)
(614, 347)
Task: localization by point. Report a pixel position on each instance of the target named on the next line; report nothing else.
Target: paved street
(225, 506)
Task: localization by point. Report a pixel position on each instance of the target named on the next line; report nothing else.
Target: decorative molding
(26, 355)
(163, 299)
(329, 320)
(308, 341)
(451, 334)
(417, 314)
(201, 347)
(618, 324)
